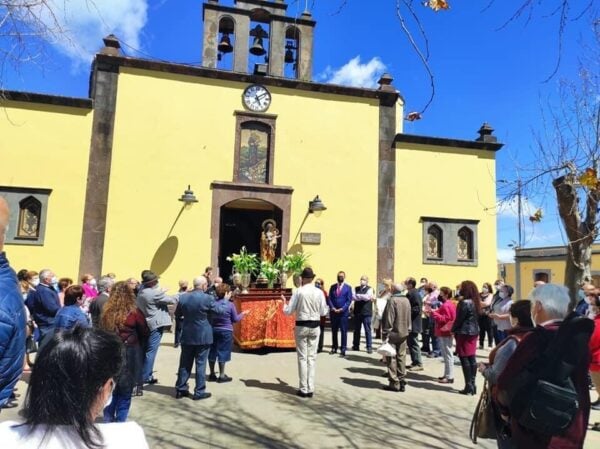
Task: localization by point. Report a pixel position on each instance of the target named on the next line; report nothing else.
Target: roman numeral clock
(256, 98)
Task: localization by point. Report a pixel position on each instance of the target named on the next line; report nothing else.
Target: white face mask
(93, 282)
(503, 295)
(35, 282)
(485, 290)
(54, 281)
(363, 282)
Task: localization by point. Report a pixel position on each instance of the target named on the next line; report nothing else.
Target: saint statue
(268, 240)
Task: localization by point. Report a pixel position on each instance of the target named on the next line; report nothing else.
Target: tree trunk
(581, 233)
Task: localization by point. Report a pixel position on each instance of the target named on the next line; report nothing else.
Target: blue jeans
(339, 321)
(499, 336)
(414, 349)
(362, 321)
(118, 409)
(189, 354)
(151, 350)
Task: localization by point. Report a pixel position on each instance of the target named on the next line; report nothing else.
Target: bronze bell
(225, 44)
(289, 53)
(289, 56)
(257, 48)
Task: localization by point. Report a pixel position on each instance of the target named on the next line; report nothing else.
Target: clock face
(257, 98)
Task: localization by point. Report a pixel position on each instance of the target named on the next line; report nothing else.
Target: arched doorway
(241, 225)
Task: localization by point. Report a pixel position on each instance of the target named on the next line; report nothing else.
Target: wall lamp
(188, 198)
(316, 206)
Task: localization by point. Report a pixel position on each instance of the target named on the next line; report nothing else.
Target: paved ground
(259, 408)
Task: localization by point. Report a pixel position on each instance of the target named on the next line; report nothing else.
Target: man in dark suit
(43, 303)
(339, 300)
(196, 336)
(416, 306)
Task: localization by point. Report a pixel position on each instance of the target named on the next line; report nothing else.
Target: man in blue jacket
(43, 303)
(340, 298)
(196, 336)
(12, 321)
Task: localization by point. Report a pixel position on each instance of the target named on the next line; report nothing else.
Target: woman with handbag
(444, 318)
(520, 317)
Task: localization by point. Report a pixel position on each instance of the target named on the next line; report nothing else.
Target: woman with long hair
(466, 332)
(71, 381)
(121, 316)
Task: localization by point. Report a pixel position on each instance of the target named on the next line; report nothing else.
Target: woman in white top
(70, 385)
(501, 313)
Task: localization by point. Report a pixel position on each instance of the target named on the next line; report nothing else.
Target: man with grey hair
(153, 302)
(363, 313)
(105, 285)
(550, 311)
(12, 321)
(194, 308)
(43, 303)
(396, 325)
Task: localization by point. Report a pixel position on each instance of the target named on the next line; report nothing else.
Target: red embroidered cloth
(265, 325)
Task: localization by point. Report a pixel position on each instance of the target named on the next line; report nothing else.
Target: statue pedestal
(265, 325)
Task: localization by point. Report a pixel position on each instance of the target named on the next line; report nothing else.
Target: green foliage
(294, 263)
(244, 262)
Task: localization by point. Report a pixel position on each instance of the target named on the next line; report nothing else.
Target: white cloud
(86, 22)
(505, 255)
(355, 74)
(510, 208)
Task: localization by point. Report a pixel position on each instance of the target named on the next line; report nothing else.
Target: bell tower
(256, 36)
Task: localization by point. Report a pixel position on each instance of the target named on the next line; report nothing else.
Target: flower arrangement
(244, 262)
(269, 271)
(294, 263)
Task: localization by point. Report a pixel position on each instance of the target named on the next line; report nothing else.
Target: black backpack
(543, 397)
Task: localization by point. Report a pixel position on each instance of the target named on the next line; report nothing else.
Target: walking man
(363, 313)
(340, 298)
(308, 303)
(12, 322)
(416, 305)
(196, 336)
(396, 325)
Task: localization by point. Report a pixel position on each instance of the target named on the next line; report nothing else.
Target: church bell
(259, 34)
(289, 53)
(225, 44)
(257, 48)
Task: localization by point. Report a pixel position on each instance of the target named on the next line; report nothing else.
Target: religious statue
(268, 240)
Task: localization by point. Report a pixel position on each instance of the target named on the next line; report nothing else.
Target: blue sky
(483, 71)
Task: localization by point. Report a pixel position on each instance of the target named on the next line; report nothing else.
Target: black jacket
(416, 306)
(466, 319)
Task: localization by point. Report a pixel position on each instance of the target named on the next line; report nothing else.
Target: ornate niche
(254, 148)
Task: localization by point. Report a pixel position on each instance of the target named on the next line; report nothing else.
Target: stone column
(241, 44)
(210, 39)
(104, 93)
(386, 198)
(276, 48)
(305, 52)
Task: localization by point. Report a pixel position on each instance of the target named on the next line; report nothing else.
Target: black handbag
(31, 346)
(551, 408)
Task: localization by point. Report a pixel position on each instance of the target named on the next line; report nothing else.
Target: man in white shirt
(308, 303)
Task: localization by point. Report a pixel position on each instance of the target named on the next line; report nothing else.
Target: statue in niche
(268, 240)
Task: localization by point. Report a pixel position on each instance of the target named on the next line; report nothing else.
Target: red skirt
(466, 345)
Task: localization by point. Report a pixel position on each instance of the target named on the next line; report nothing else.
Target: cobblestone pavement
(259, 408)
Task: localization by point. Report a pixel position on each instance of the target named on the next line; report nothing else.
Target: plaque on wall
(310, 238)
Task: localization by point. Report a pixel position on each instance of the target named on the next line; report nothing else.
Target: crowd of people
(97, 343)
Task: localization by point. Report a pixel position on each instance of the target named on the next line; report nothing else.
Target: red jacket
(445, 314)
(525, 438)
(595, 346)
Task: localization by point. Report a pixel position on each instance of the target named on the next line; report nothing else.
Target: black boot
(466, 369)
(473, 365)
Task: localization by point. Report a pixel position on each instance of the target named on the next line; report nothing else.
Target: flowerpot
(297, 280)
(245, 282)
(283, 279)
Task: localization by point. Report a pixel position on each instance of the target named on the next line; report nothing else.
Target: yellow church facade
(95, 183)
